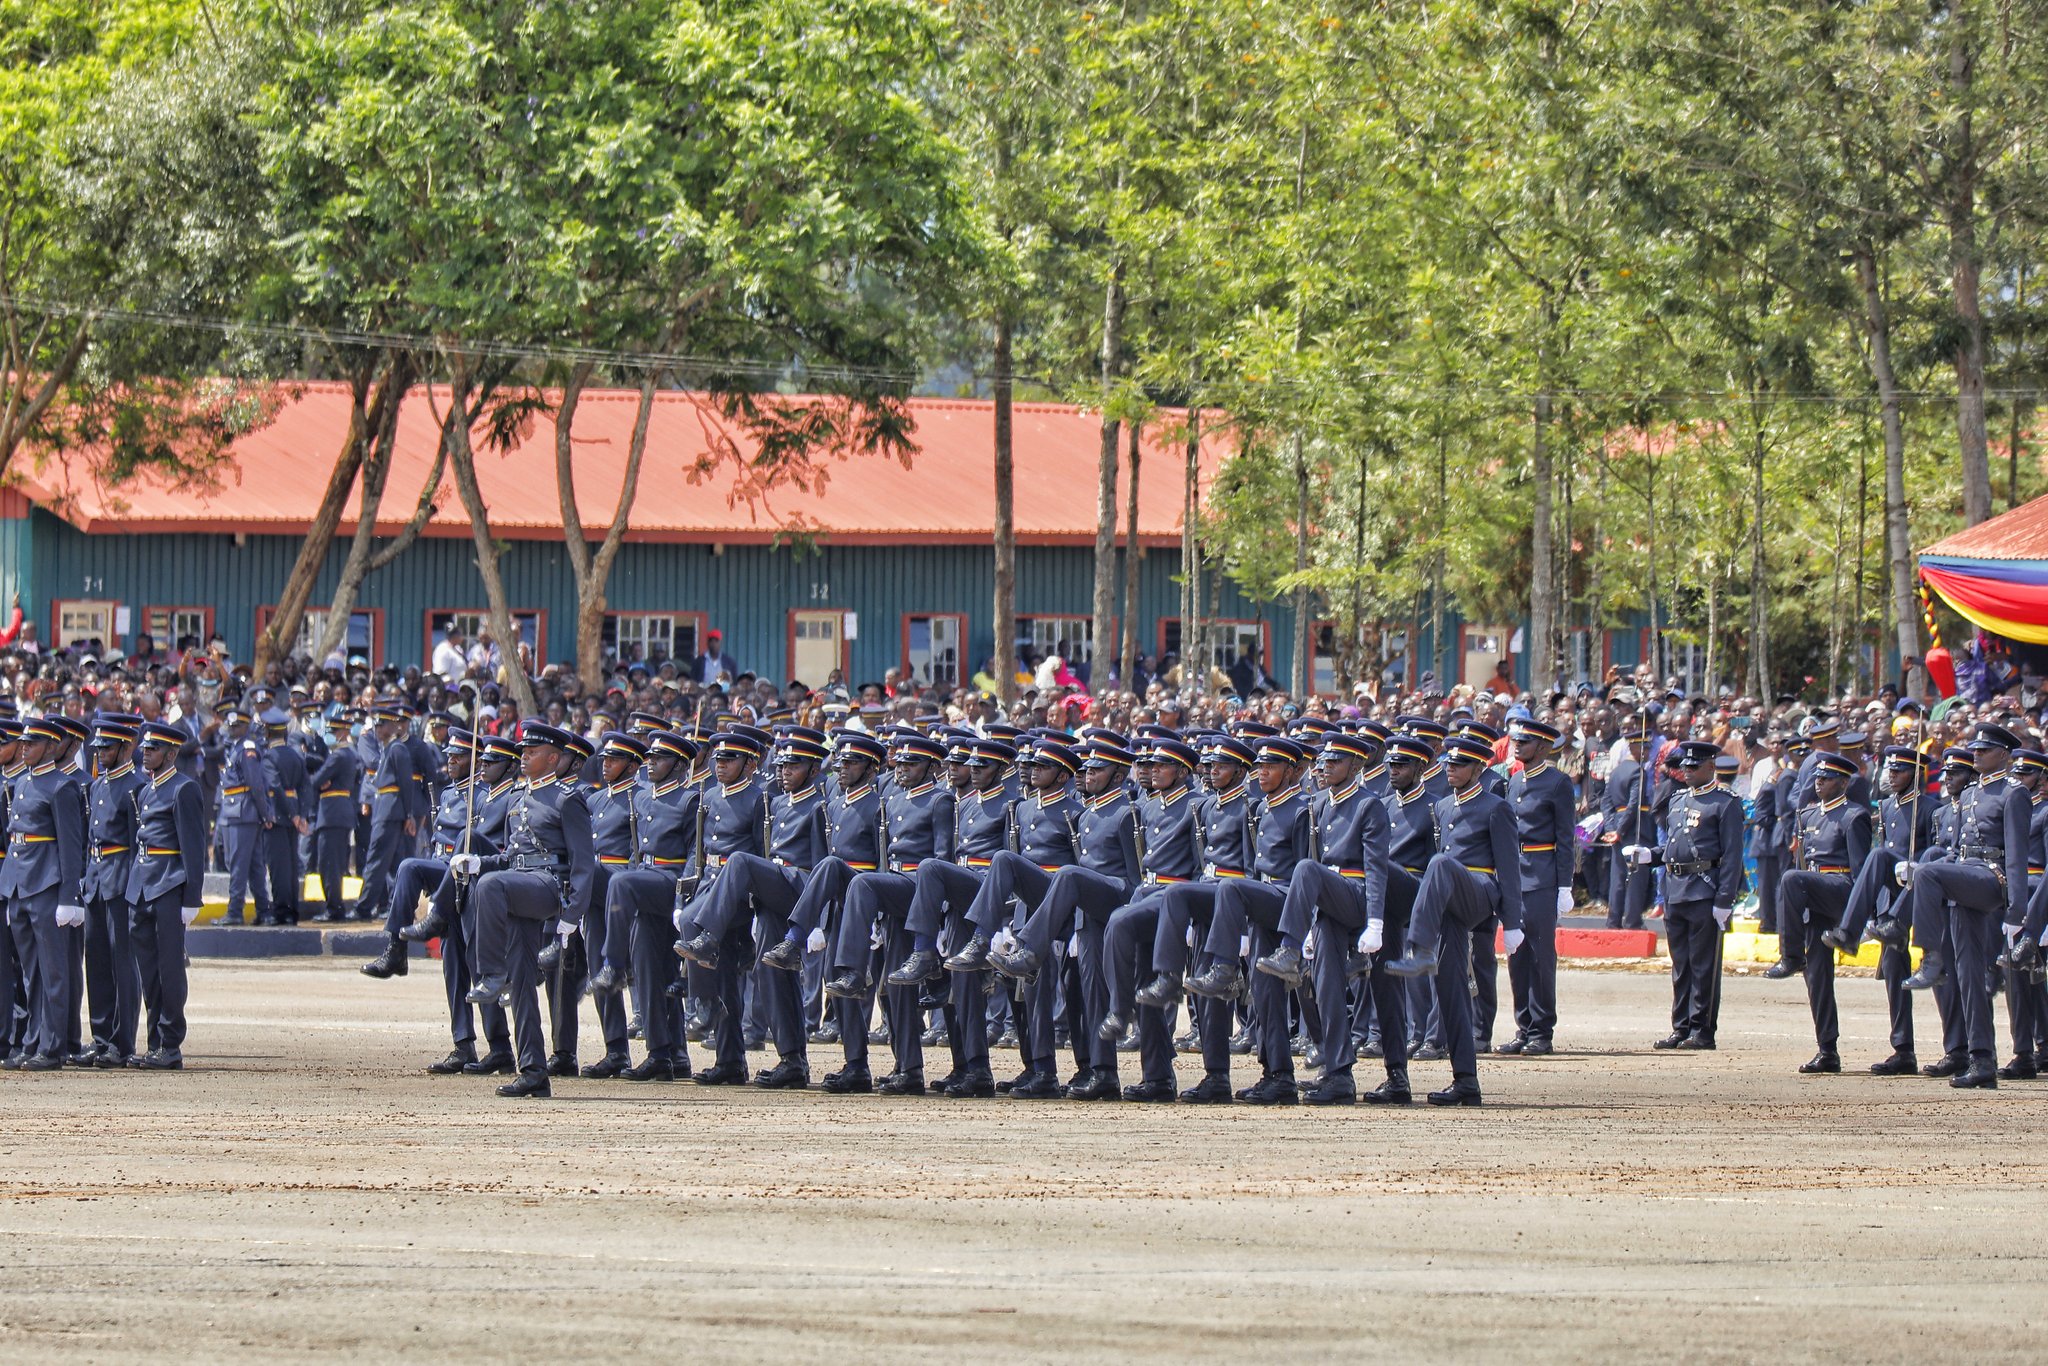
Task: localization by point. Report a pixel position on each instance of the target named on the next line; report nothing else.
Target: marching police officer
(1544, 803)
(244, 817)
(639, 900)
(113, 991)
(284, 767)
(165, 887)
(1833, 844)
(333, 784)
(735, 819)
(396, 806)
(41, 881)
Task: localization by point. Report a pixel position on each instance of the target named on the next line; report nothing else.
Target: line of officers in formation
(1312, 880)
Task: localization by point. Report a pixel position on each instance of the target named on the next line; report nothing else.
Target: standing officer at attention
(546, 871)
(245, 816)
(1833, 844)
(165, 886)
(396, 809)
(41, 880)
(113, 991)
(1702, 858)
(1544, 804)
(333, 785)
(284, 763)
(1475, 878)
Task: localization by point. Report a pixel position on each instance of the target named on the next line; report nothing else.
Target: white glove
(189, 914)
(1512, 939)
(1644, 853)
(2012, 935)
(1721, 914)
(1191, 936)
(1003, 941)
(70, 917)
(465, 865)
(1244, 946)
(1628, 851)
(875, 936)
(1374, 939)
(564, 930)
(1074, 945)
(677, 918)
(1564, 901)
(1905, 872)
(814, 942)
(1308, 949)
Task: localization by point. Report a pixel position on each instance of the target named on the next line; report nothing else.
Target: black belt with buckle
(1689, 868)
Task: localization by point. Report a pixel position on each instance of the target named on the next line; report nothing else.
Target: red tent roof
(2020, 533)
(276, 475)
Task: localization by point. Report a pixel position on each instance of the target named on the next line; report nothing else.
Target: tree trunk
(1006, 521)
(376, 471)
(1542, 584)
(1298, 671)
(1759, 582)
(1194, 674)
(1103, 628)
(1965, 271)
(1133, 557)
(273, 642)
(1898, 533)
(462, 454)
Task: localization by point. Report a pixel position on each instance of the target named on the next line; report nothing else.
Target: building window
(1223, 642)
(652, 637)
(364, 639)
(1481, 652)
(934, 652)
(1071, 638)
(78, 621)
(1384, 662)
(1587, 653)
(819, 645)
(177, 629)
(474, 621)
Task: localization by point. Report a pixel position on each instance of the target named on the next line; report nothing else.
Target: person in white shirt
(450, 661)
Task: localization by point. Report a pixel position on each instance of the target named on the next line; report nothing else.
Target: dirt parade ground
(305, 1190)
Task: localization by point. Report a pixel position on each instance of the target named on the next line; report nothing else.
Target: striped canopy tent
(1995, 574)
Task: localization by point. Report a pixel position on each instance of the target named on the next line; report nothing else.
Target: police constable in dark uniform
(113, 991)
(397, 806)
(244, 818)
(1905, 830)
(1544, 804)
(735, 807)
(1702, 860)
(41, 882)
(165, 887)
(285, 768)
(333, 783)
(1833, 844)
(639, 900)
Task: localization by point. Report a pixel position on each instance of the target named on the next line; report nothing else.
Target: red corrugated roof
(277, 474)
(2021, 534)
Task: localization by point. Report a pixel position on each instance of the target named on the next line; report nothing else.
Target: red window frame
(903, 653)
(1513, 657)
(789, 644)
(540, 630)
(703, 620)
(268, 609)
(206, 613)
(112, 640)
(1265, 637)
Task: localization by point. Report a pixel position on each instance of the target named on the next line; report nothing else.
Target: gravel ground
(303, 1189)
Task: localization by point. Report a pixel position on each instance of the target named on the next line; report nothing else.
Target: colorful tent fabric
(1995, 574)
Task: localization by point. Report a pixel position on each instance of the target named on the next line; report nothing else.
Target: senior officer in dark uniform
(2025, 1003)
(1834, 842)
(1337, 894)
(113, 991)
(546, 870)
(245, 817)
(1905, 831)
(1627, 819)
(1985, 876)
(1474, 879)
(286, 766)
(1702, 859)
(396, 805)
(41, 882)
(165, 887)
(417, 877)
(1412, 841)
(1544, 803)
(334, 782)
(735, 820)
(765, 888)
(615, 832)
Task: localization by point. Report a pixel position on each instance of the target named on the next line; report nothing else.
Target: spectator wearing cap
(1470, 884)
(1545, 807)
(714, 662)
(165, 887)
(544, 872)
(397, 810)
(41, 880)
(244, 816)
(333, 784)
(1833, 841)
(112, 990)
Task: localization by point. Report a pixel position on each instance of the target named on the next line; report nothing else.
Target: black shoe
(2026, 953)
(2019, 1069)
(110, 1059)
(1336, 1090)
(45, 1062)
(1823, 1061)
(723, 1075)
(561, 1065)
(605, 981)
(1465, 1092)
(453, 1063)
(826, 1033)
(523, 1085)
(1150, 1093)
(163, 1060)
(491, 991)
(233, 918)
(1313, 1056)
(1242, 1043)
(922, 966)
(84, 1057)
(608, 1066)
(1371, 1048)
(1948, 1066)
(973, 955)
(850, 985)
(901, 1084)
(1019, 964)
(1213, 1089)
(935, 1037)
(1429, 1052)
(1393, 1091)
(550, 956)
(850, 1080)
(1111, 1028)
(1037, 1086)
(976, 1083)
(1675, 1039)
(268, 920)
(1887, 929)
(1413, 965)
(1514, 1045)
(433, 926)
(1007, 1039)
(15, 1060)
(1836, 940)
(1101, 1084)
(1129, 1042)
(1899, 1064)
(1978, 1076)
(1272, 1089)
(1220, 981)
(1190, 1042)
(879, 1034)
(1161, 993)
(1933, 972)
(393, 962)
(495, 1061)
(1285, 963)
(1538, 1048)
(786, 956)
(651, 1069)
(791, 1074)
(1698, 1043)
(701, 949)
